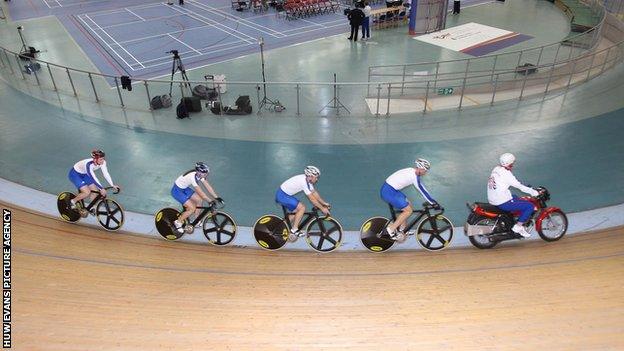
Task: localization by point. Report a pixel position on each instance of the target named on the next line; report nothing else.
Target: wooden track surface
(76, 288)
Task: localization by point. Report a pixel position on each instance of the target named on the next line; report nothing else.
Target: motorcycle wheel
(482, 241)
(554, 226)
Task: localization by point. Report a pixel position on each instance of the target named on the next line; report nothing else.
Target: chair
(381, 21)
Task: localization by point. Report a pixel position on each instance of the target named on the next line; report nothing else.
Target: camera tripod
(335, 102)
(266, 102)
(177, 66)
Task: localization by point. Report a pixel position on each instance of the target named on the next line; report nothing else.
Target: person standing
(366, 22)
(355, 16)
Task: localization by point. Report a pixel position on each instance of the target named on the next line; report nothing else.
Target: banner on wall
(474, 39)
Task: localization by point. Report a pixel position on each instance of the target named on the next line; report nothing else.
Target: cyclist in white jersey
(82, 175)
(391, 193)
(285, 195)
(187, 191)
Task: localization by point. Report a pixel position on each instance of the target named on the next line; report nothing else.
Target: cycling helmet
(97, 153)
(201, 167)
(422, 163)
(311, 171)
(507, 159)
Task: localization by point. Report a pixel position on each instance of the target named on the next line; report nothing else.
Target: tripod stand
(24, 48)
(272, 105)
(335, 102)
(178, 66)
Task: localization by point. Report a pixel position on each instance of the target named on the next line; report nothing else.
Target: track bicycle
(322, 233)
(108, 212)
(433, 230)
(218, 227)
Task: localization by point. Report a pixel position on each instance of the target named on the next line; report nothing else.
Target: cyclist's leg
(299, 211)
(81, 182)
(397, 200)
(92, 189)
(190, 206)
(402, 218)
(292, 204)
(184, 197)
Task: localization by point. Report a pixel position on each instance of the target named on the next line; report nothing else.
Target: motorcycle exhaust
(472, 230)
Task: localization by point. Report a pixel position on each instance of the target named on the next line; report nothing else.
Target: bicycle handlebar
(316, 209)
(217, 205)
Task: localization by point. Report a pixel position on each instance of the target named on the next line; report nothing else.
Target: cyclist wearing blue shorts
(82, 175)
(391, 193)
(285, 195)
(187, 191)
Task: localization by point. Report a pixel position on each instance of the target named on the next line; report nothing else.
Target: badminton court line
(106, 43)
(165, 60)
(163, 34)
(145, 20)
(118, 10)
(141, 18)
(315, 28)
(52, 7)
(211, 47)
(305, 20)
(183, 43)
(114, 41)
(217, 25)
(243, 21)
(48, 5)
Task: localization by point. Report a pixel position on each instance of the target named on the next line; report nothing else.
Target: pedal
(400, 237)
(292, 237)
(189, 229)
(83, 212)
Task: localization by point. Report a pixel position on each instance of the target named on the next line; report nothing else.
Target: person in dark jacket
(355, 16)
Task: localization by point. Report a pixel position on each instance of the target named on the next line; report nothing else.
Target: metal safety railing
(437, 85)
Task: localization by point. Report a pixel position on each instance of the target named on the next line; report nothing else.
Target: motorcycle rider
(499, 195)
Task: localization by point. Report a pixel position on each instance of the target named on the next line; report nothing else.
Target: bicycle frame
(422, 212)
(307, 218)
(97, 198)
(212, 207)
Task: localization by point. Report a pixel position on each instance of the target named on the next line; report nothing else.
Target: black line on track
(323, 274)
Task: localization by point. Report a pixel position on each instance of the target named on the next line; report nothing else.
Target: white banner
(466, 36)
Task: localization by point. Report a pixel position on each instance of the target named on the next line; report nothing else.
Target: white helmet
(507, 159)
(422, 163)
(311, 171)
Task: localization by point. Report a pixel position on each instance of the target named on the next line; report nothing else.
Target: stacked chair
(305, 8)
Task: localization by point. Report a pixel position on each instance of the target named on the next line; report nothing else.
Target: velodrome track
(121, 292)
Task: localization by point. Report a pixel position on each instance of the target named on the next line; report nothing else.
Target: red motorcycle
(487, 225)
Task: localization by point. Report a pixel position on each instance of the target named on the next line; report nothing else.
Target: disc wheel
(64, 207)
(324, 234)
(271, 232)
(434, 233)
(164, 223)
(219, 228)
(109, 214)
(482, 241)
(369, 234)
(554, 226)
